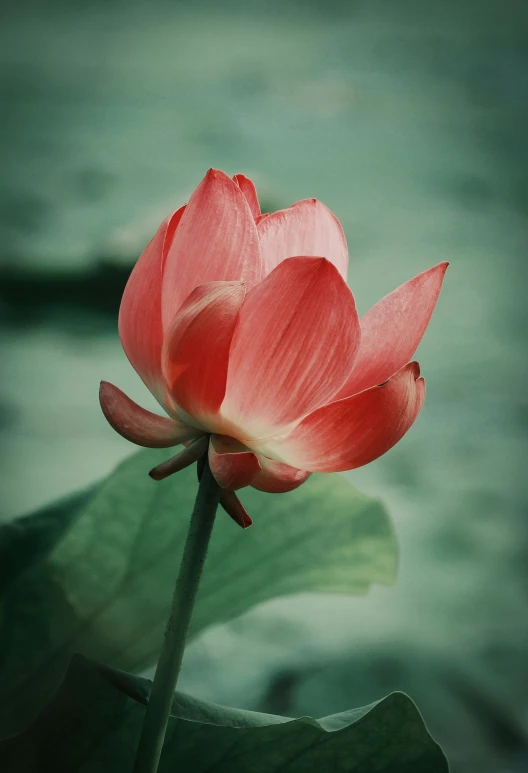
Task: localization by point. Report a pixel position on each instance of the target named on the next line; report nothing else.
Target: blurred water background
(408, 119)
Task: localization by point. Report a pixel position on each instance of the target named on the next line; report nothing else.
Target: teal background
(408, 119)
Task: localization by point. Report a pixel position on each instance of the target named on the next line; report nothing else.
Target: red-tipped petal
(233, 465)
(140, 326)
(293, 347)
(353, 432)
(247, 187)
(392, 330)
(277, 477)
(216, 240)
(306, 228)
(195, 352)
(190, 454)
(139, 425)
(235, 509)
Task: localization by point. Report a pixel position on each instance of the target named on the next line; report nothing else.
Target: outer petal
(229, 501)
(217, 240)
(235, 509)
(196, 349)
(250, 192)
(306, 228)
(392, 330)
(277, 477)
(231, 463)
(354, 431)
(140, 312)
(139, 425)
(293, 347)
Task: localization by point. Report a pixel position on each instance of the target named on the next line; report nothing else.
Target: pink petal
(190, 454)
(250, 192)
(195, 351)
(293, 347)
(306, 228)
(231, 463)
(140, 312)
(392, 330)
(277, 477)
(217, 240)
(353, 432)
(230, 502)
(139, 425)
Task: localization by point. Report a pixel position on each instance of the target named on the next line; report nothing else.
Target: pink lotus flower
(242, 326)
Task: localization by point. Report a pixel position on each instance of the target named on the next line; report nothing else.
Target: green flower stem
(169, 665)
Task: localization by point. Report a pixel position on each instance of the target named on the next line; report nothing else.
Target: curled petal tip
(235, 509)
(415, 366)
(440, 269)
(248, 189)
(212, 172)
(247, 522)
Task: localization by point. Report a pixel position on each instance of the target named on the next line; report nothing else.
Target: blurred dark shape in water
(29, 297)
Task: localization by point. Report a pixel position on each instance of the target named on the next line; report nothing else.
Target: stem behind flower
(169, 665)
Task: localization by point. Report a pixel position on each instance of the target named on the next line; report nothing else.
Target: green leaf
(23, 541)
(92, 725)
(105, 585)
